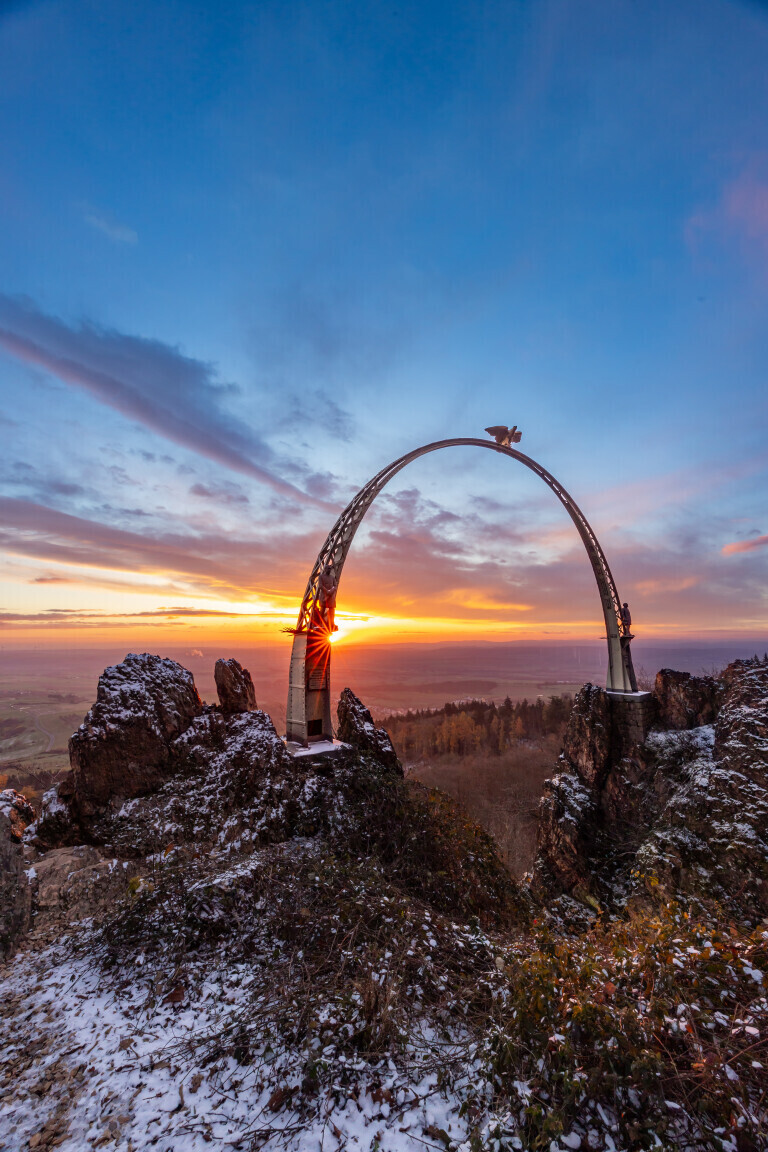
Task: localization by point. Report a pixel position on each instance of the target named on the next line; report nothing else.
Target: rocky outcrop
(19, 811)
(569, 824)
(587, 741)
(233, 784)
(246, 742)
(122, 748)
(685, 813)
(356, 727)
(568, 828)
(712, 837)
(234, 686)
(685, 701)
(160, 781)
(16, 814)
(71, 883)
(58, 823)
(741, 730)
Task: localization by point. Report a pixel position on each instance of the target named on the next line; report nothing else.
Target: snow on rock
(57, 823)
(567, 818)
(19, 811)
(230, 775)
(686, 812)
(234, 686)
(587, 742)
(356, 727)
(122, 748)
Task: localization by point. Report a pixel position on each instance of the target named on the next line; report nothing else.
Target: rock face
(122, 748)
(685, 701)
(685, 812)
(566, 842)
(234, 686)
(58, 823)
(587, 742)
(15, 894)
(19, 811)
(71, 883)
(230, 771)
(356, 727)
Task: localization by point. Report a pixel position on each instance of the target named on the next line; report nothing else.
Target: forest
(465, 727)
(493, 758)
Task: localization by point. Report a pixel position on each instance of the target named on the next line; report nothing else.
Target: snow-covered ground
(86, 1065)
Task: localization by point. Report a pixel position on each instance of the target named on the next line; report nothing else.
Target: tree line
(470, 726)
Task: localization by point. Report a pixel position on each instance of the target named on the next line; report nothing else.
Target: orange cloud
(745, 545)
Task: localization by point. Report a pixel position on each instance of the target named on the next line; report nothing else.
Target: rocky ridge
(683, 812)
(155, 771)
(234, 687)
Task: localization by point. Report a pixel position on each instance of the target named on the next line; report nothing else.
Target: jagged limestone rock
(587, 741)
(685, 701)
(356, 727)
(232, 783)
(122, 748)
(686, 814)
(58, 823)
(567, 822)
(234, 686)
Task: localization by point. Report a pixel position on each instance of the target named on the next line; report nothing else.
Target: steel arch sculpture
(309, 694)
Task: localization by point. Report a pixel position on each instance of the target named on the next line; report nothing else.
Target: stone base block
(632, 715)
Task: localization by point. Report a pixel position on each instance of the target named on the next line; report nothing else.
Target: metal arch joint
(309, 697)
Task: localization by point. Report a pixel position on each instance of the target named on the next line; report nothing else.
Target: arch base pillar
(621, 672)
(308, 715)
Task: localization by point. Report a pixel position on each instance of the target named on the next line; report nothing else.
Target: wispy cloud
(746, 545)
(172, 394)
(222, 494)
(118, 233)
(740, 214)
(68, 616)
(215, 562)
(745, 203)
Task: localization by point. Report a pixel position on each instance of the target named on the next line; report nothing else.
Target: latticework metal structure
(309, 697)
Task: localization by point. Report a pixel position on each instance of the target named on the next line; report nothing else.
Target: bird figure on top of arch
(505, 436)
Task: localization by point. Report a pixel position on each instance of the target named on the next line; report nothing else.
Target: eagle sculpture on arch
(505, 436)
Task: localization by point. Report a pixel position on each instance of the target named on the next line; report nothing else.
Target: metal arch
(310, 659)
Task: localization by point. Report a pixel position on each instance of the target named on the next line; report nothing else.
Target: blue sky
(251, 253)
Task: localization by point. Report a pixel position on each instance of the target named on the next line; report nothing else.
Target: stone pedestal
(632, 714)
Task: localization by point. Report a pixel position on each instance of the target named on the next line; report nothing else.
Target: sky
(250, 253)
